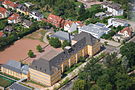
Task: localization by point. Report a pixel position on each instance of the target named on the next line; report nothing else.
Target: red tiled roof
(1, 34)
(68, 22)
(3, 10)
(128, 29)
(10, 3)
(13, 16)
(56, 20)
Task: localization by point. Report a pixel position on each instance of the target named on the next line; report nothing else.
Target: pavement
(110, 42)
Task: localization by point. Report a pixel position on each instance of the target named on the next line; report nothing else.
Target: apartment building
(48, 68)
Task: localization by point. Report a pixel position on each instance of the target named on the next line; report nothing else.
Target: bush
(39, 48)
(31, 54)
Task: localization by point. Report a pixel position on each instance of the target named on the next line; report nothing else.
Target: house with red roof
(124, 34)
(9, 4)
(56, 20)
(14, 18)
(127, 32)
(3, 13)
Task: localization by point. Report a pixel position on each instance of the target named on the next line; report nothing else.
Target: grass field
(5, 82)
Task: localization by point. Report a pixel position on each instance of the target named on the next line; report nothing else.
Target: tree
(79, 85)
(65, 43)
(103, 81)
(123, 81)
(39, 48)
(128, 50)
(31, 54)
(95, 87)
(55, 42)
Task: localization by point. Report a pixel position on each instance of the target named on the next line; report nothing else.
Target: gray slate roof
(16, 66)
(47, 66)
(62, 35)
(16, 86)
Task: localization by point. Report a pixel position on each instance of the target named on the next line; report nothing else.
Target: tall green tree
(55, 42)
(79, 85)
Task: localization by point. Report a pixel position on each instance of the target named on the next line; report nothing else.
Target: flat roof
(94, 29)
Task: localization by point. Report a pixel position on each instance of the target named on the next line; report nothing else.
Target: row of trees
(112, 75)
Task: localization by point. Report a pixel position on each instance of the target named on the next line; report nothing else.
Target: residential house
(18, 86)
(97, 30)
(14, 18)
(49, 68)
(27, 23)
(100, 14)
(3, 13)
(16, 69)
(72, 26)
(62, 36)
(117, 22)
(113, 8)
(56, 20)
(124, 34)
(36, 15)
(23, 9)
(8, 29)
(28, 4)
(9, 4)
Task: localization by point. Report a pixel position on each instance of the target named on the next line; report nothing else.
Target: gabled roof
(27, 22)
(128, 29)
(62, 35)
(16, 66)
(14, 16)
(3, 10)
(22, 7)
(36, 13)
(54, 18)
(115, 6)
(9, 3)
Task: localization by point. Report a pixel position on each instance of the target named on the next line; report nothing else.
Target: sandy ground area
(18, 51)
(46, 49)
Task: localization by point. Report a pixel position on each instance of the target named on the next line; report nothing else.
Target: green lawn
(5, 82)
